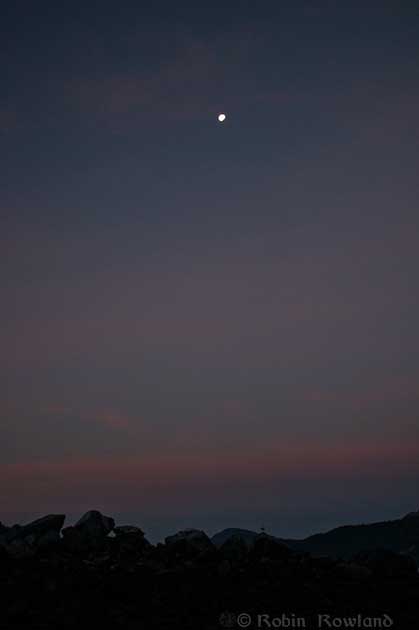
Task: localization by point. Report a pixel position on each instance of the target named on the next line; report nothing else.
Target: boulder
(4, 558)
(8, 534)
(95, 524)
(413, 552)
(267, 547)
(246, 535)
(130, 539)
(20, 541)
(194, 538)
(351, 571)
(386, 563)
(19, 548)
(189, 544)
(127, 530)
(89, 532)
(45, 529)
(234, 550)
(73, 539)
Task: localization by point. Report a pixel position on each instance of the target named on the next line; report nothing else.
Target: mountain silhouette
(400, 536)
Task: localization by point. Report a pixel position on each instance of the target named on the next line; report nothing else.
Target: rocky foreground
(97, 573)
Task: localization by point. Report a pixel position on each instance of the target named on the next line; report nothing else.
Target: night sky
(203, 324)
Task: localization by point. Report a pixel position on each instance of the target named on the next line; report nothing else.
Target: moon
(221, 117)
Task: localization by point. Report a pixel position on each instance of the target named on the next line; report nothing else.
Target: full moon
(221, 117)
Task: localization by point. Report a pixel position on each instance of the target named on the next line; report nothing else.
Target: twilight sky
(209, 324)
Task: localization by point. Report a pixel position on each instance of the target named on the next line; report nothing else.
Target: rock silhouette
(26, 540)
(96, 573)
(89, 531)
(189, 542)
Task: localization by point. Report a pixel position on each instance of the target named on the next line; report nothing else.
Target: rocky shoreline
(97, 572)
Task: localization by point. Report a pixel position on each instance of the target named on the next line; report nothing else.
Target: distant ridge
(400, 535)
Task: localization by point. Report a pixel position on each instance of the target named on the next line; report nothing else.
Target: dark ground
(85, 577)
